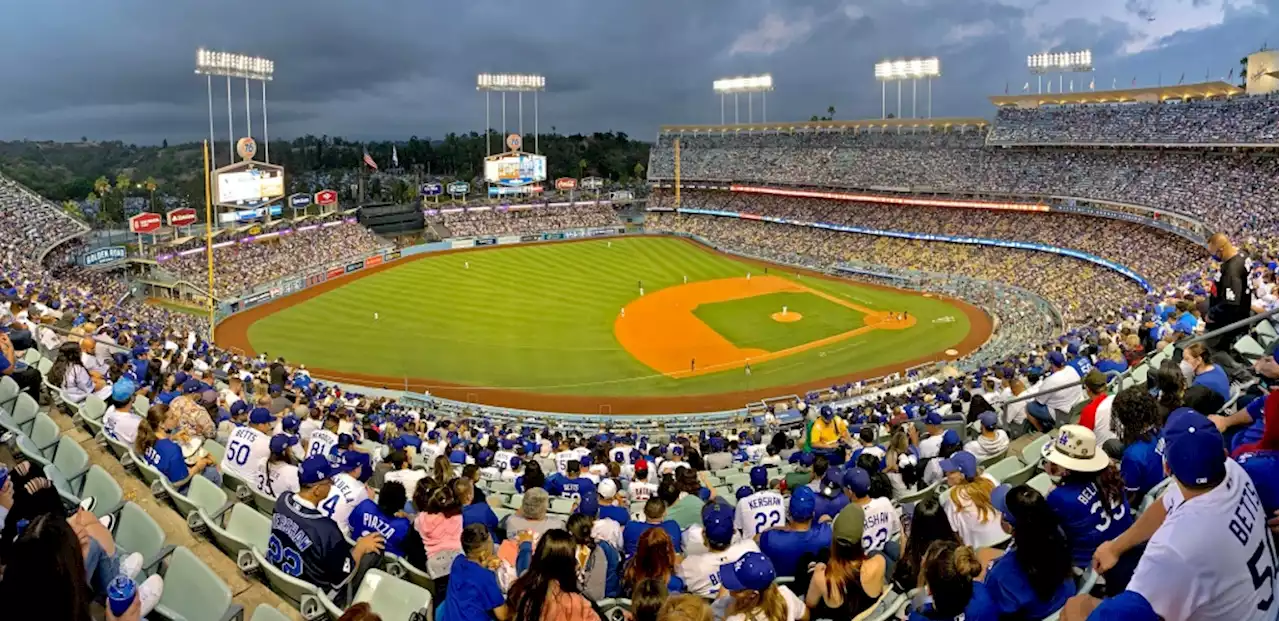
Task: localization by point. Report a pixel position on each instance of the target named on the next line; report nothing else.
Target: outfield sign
(181, 217)
(300, 201)
(458, 188)
(326, 197)
(431, 189)
(103, 256)
(592, 183)
(566, 183)
(144, 223)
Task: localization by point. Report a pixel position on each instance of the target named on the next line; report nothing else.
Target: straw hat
(1076, 448)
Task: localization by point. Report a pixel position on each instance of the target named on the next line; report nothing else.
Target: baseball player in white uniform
(249, 447)
(763, 509)
(1209, 555)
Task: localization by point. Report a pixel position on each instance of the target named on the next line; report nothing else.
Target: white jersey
(669, 466)
(490, 474)
(280, 478)
(307, 427)
(759, 512)
(321, 442)
(701, 571)
(1213, 558)
(640, 491)
(247, 453)
(407, 478)
(563, 458)
(756, 452)
(343, 497)
(621, 454)
(930, 446)
(431, 451)
(502, 459)
(881, 521)
(121, 425)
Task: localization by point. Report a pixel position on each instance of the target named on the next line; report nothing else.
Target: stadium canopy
(826, 126)
(1154, 94)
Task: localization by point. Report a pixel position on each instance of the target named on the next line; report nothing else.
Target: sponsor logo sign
(256, 298)
(486, 241)
(551, 236)
(514, 142)
(530, 238)
(316, 279)
(351, 267)
(299, 201)
(144, 223)
(592, 183)
(431, 189)
(103, 256)
(372, 261)
(247, 148)
(335, 272)
(181, 217)
(255, 230)
(602, 231)
(459, 187)
(392, 256)
(566, 183)
(575, 233)
(326, 197)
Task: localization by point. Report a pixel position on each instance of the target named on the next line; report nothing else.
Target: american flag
(369, 160)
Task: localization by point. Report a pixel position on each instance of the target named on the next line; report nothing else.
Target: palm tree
(831, 113)
(102, 188)
(582, 167)
(639, 170)
(72, 208)
(150, 185)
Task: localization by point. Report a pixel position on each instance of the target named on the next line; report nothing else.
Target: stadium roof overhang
(1203, 90)
(870, 124)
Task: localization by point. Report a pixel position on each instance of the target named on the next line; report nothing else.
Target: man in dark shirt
(305, 543)
(1230, 301)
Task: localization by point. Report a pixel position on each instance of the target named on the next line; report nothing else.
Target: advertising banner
(292, 286)
(249, 186)
(316, 279)
(181, 217)
(245, 215)
(392, 256)
(299, 201)
(530, 238)
(431, 189)
(592, 183)
(602, 231)
(486, 241)
(144, 223)
(509, 239)
(334, 272)
(326, 197)
(552, 236)
(575, 233)
(372, 261)
(458, 188)
(566, 183)
(256, 298)
(515, 169)
(463, 243)
(351, 267)
(515, 191)
(103, 256)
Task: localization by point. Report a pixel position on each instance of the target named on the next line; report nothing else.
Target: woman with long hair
(1111, 361)
(1169, 385)
(1136, 417)
(655, 558)
(532, 477)
(902, 463)
(1089, 499)
(282, 467)
(46, 559)
(949, 574)
(76, 382)
(849, 582)
(442, 470)
(548, 591)
(1034, 577)
(593, 564)
(685, 608)
(752, 594)
(968, 502)
(1133, 350)
(881, 486)
(647, 600)
(153, 445)
(929, 523)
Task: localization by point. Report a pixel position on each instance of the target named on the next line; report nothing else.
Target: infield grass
(540, 318)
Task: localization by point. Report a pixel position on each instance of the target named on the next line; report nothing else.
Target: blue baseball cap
(933, 418)
(989, 420)
(963, 462)
(827, 412)
(345, 440)
(803, 503)
(123, 389)
(753, 572)
(290, 423)
(180, 378)
(806, 459)
(588, 504)
(314, 469)
(457, 457)
(759, 477)
(238, 407)
(717, 523)
(350, 460)
(260, 416)
(1193, 448)
(1057, 359)
(139, 350)
(795, 457)
(585, 461)
(1073, 348)
(951, 438)
(742, 492)
(192, 385)
(515, 462)
(999, 500)
(281, 443)
(857, 481)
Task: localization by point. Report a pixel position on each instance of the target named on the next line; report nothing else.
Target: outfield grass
(749, 323)
(540, 318)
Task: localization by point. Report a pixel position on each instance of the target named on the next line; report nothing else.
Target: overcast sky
(377, 69)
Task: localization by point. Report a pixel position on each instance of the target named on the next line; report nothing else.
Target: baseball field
(624, 325)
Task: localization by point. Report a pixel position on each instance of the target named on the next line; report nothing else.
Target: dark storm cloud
(394, 68)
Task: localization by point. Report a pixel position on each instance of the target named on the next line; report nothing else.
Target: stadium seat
(1266, 331)
(391, 597)
(266, 613)
(216, 451)
(637, 507)
(1153, 494)
(1248, 348)
(9, 392)
(615, 609)
(40, 445)
(1005, 468)
(70, 463)
(737, 480)
(89, 414)
(241, 527)
(515, 501)
(23, 416)
(502, 512)
(193, 592)
(401, 568)
(154, 479)
(503, 487)
(107, 496)
(43, 364)
(135, 531)
(994, 459)
(262, 502)
(202, 495)
(121, 450)
(928, 492)
(1041, 483)
(238, 488)
(561, 506)
(1031, 452)
(299, 593)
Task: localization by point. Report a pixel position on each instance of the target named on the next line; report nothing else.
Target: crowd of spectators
(499, 221)
(32, 223)
(243, 265)
(1236, 120)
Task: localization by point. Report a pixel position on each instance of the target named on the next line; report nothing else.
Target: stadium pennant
(1135, 81)
(1113, 84)
(1231, 74)
(395, 159)
(1006, 87)
(1091, 84)
(1182, 77)
(369, 160)
(1026, 87)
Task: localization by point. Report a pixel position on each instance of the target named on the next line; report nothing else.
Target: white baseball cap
(607, 489)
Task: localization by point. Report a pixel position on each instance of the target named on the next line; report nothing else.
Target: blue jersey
(1082, 364)
(789, 548)
(1011, 592)
(1127, 606)
(617, 514)
(1263, 468)
(1142, 466)
(1109, 366)
(305, 543)
(166, 457)
(407, 440)
(1085, 520)
(1253, 432)
(632, 531)
(980, 608)
(573, 488)
(1214, 379)
(367, 518)
(829, 506)
(480, 513)
(473, 592)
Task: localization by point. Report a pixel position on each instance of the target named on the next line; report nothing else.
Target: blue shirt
(367, 518)
(1264, 470)
(407, 440)
(786, 548)
(1085, 521)
(1185, 323)
(1107, 365)
(1253, 432)
(1127, 606)
(480, 513)
(633, 530)
(473, 592)
(829, 506)
(1012, 595)
(166, 456)
(1141, 467)
(1215, 380)
(617, 514)
(166, 397)
(980, 608)
(1081, 364)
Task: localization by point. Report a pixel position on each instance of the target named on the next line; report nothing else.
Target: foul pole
(208, 235)
(676, 142)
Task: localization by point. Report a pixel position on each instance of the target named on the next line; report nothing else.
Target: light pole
(519, 83)
(210, 63)
(1058, 62)
(746, 84)
(912, 69)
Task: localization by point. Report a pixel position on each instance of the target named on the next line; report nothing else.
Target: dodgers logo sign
(298, 201)
(431, 189)
(459, 187)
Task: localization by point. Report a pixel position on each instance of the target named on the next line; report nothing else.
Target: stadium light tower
(907, 69)
(519, 83)
(746, 84)
(1059, 62)
(210, 63)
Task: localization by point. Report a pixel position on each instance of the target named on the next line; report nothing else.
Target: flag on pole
(1231, 74)
(1026, 87)
(1090, 83)
(369, 160)
(395, 159)
(1182, 77)
(1135, 81)
(1113, 84)
(1072, 84)
(1006, 87)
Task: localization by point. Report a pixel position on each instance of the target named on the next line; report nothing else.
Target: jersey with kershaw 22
(760, 512)
(246, 456)
(881, 521)
(1213, 558)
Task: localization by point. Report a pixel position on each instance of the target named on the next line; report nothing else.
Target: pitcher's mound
(787, 317)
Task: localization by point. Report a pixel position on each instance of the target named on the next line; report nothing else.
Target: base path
(232, 333)
(661, 330)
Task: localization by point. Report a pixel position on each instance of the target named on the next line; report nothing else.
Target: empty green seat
(299, 593)
(240, 528)
(1040, 483)
(201, 494)
(24, 413)
(70, 462)
(103, 489)
(136, 532)
(216, 451)
(391, 597)
(193, 592)
(1031, 452)
(266, 613)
